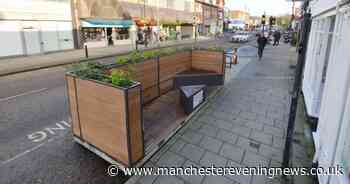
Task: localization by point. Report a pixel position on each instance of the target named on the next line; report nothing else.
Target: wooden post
(234, 56)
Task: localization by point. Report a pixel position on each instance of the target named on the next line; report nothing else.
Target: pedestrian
(277, 37)
(147, 36)
(261, 45)
(110, 40)
(139, 36)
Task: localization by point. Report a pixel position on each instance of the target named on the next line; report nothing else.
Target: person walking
(277, 37)
(262, 40)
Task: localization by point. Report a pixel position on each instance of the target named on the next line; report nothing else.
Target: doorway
(32, 39)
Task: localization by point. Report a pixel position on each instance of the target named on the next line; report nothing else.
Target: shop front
(102, 33)
(160, 22)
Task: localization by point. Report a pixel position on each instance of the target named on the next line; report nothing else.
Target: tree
(283, 21)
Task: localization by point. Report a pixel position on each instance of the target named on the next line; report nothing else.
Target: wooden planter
(107, 118)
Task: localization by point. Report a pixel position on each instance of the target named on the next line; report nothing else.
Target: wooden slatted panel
(170, 65)
(150, 94)
(166, 86)
(208, 60)
(102, 117)
(147, 73)
(73, 105)
(135, 124)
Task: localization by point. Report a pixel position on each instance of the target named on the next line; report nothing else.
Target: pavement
(243, 126)
(13, 65)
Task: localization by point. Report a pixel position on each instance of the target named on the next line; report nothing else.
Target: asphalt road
(36, 144)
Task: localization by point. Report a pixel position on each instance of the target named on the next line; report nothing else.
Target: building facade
(210, 16)
(240, 15)
(255, 20)
(99, 21)
(326, 85)
(238, 20)
(34, 27)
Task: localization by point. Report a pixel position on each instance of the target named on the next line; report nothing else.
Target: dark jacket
(277, 35)
(262, 41)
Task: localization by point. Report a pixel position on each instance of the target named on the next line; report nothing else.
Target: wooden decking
(162, 116)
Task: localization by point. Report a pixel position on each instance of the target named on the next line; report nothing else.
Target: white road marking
(23, 94)
(43, 134)
(27, 151)
(43, 138)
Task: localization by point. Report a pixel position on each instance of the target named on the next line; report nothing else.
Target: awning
(106, 23)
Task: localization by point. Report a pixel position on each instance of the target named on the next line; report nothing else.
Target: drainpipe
(296, 89)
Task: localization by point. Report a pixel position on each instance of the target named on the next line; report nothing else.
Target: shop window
(93, 34)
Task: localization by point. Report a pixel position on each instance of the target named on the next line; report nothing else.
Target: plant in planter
(90, 70)
(183, 49)
(106, 110)
(215, 48)
(167, 51)
(149, 54)
(122, 60)
(136, 56)
(120, 78)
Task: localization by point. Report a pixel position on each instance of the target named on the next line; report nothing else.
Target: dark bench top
(189, 91)
(195, 72)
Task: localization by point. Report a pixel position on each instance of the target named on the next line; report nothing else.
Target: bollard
(234, 56)
(86, 51)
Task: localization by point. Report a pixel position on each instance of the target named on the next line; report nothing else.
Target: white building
(35, 26)
(326, 85)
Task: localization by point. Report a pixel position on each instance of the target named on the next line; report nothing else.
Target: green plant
(167, 51)
(150, 54)
(215, 48)
(136, 56)
(120, 78)
(122, 60)
(184, 49)
(90, 70)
